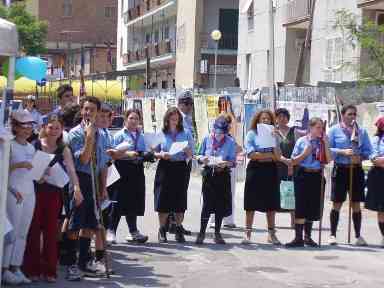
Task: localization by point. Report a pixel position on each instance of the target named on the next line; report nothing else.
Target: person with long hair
(375, 195)
(350, 145)
(129, 191)
(218, 155)
(170, 185)
(261, 192)
(307, 155)
(21, 198)
(43, 262)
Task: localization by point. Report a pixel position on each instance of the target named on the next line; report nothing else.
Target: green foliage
(32, 32)
(370, 37)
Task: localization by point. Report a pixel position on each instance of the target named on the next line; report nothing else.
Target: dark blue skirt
(375, 196)
(171, 185)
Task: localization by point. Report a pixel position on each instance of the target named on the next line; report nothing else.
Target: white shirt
(19, 179)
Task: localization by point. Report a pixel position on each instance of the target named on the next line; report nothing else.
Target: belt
(311, 170)
(349, 165)
(263, 161)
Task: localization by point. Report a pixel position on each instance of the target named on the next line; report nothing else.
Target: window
(333, 60)
(109, 12)
(67, 8)
(228, 25)
(380, 18)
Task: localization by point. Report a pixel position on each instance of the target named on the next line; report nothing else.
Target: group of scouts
(83, 146)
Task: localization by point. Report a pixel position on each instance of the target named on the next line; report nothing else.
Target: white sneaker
(360, 241)
(22, 277)
(100, 266)
(9, 278)
(111, 237)
(137, 237)
(332, 240)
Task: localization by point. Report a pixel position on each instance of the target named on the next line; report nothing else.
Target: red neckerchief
(215, 144)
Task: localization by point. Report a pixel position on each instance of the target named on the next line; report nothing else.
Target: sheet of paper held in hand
(40, 163)
(57, 176)
(124, 146)
(265, 137)
(215, 160)
(152, 140)
(113, 175)
(178, 147)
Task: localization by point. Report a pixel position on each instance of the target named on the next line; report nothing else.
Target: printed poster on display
(201, 117)
(250, 109)
(212, 106)
(231, 103)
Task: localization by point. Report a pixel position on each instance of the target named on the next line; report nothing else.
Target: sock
(70, 255)
(299, 232)
(308, 229)
(132, 223)
(334, 219)
(99, 255)
(356, 217)
(381, 226)
(218, 222)
(84, 245)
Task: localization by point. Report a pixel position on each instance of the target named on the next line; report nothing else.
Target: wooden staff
(96, 193)
(323, 160)
(355, 142)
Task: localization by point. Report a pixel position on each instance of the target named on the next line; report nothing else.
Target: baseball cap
(220, 126)
(31, 97)
(23, 117)
(186, 97)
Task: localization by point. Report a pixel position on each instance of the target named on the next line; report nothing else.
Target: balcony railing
(298, 11)
(142, 8)
(227, 41)
(149, 51)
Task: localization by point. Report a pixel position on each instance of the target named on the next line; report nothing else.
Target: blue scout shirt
(169, 139)
(76, 142)
(339, 140)
(377, 147)
(251, 145)
(301, 144)
(226, 148)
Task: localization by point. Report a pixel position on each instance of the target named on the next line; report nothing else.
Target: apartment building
(80, 33)
(171, 38)
(331, 57)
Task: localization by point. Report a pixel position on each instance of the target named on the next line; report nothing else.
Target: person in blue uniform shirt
(129, 190)
(261, 191)
(171, 175)
(350, 145)
(218, 156)
(88, 144)
(307, 155)
(375, 195)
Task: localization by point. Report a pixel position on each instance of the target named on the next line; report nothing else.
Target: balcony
(371, 4)
(227, 44)
(157, 52)
(147, 8)
(298, 13)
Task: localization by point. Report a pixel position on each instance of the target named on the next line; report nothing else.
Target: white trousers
(20, 215)
(230, 219)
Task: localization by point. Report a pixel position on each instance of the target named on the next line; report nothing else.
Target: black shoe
(310, 243)
(296, 243)
(219, 239)
(200, 238)
(185, 232)
(179, 236)
(162, 235)
(172, 228)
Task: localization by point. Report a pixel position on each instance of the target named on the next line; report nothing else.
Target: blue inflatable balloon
(33, 68)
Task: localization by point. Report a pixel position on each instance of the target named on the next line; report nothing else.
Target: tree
(32, 32)
(369, 36)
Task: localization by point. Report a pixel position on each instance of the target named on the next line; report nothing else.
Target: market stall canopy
(9, 43)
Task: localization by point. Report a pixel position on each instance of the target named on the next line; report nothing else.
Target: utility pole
(271, 10)
(305, 48)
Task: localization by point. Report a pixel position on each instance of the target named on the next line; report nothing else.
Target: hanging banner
(201, 117)
(147, 116)
(212, 106)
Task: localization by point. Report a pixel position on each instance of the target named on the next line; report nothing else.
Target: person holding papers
(129, 191)
(170, 185)
(217, 155)
(43, 263)
(261, 192)
(310, 154)
(20, 199)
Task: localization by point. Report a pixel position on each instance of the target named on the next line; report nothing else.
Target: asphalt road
(236, 265)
